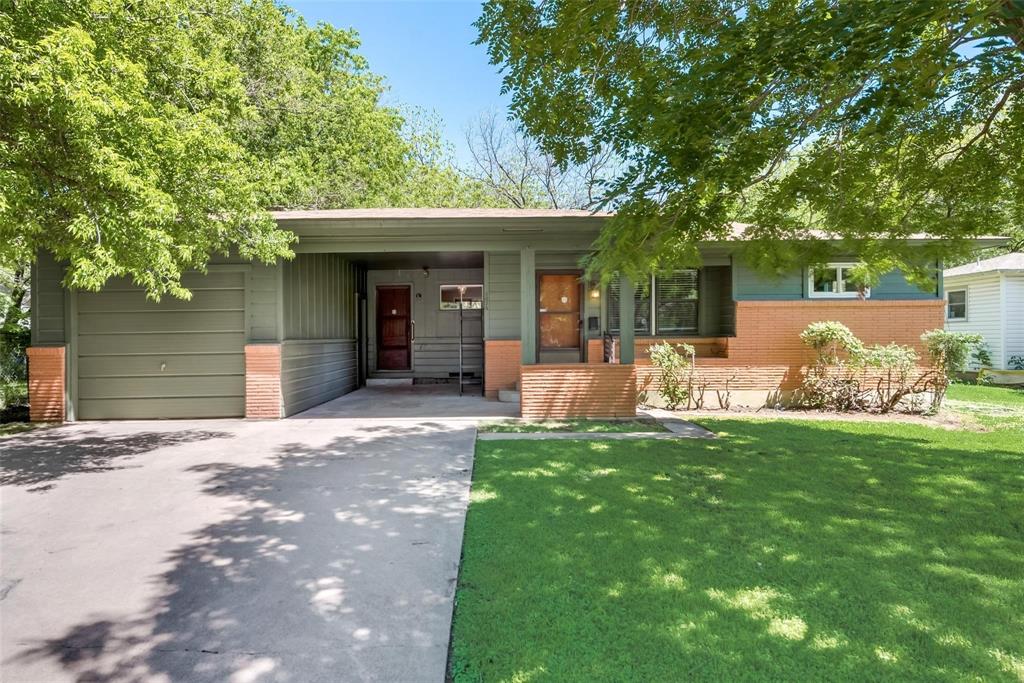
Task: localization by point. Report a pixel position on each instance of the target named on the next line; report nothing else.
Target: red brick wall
(577, 390)
(768, 332)
(46, 383)
(502, 358)
(263, 381)
(767, 353)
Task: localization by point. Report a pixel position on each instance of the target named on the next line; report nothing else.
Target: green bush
(836, 380)
(948, 352)
(676, 372)
(830, 339)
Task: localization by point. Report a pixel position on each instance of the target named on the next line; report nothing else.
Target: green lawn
(785, 550)
(984, 393)
(590, 426)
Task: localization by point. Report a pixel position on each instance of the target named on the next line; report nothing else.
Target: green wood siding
(501, 295)
(318, 352)
(319, 297)
(435, 350)
(175, 359)
(717, 313)
(48, 305)
(315, 371)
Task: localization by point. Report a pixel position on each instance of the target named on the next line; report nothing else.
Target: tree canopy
(862, 122)
(137, 138)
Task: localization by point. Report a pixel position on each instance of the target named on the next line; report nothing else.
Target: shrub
(948, 352)
(894, 365)
(676, 372)
(1016, 363)
(836, 379)
(830, 338)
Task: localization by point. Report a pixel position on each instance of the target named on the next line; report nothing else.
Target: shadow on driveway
(329, 558)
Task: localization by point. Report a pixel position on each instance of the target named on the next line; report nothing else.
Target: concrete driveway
(311, 549)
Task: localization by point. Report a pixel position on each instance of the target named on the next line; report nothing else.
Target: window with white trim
(956, 304)
(833, 280)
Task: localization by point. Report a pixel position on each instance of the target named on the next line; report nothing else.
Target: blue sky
(425, 51)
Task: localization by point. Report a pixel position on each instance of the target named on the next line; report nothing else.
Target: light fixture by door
(426, 271)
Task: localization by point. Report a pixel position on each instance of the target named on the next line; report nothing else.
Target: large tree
(138, 137)
(867, 122)
(516, 172)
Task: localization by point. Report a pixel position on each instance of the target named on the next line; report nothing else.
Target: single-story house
(987, 298)
(493, 296)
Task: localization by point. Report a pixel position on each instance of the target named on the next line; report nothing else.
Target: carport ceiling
(416, 259)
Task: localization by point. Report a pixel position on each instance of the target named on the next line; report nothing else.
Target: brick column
(46, 383)
(263, 381)
(501, 365)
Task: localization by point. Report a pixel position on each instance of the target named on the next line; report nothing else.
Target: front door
(394, 327)
(559, 322)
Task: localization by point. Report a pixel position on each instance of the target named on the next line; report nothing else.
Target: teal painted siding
(894, 285)
(47, 301)
(501, 295)
(748, 285)
(318, 312)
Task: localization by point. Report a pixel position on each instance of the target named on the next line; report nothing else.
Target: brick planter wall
(766, 359)
(46, 383)
(577, 390)
(263, 381)
(502, 358)
(768, 332)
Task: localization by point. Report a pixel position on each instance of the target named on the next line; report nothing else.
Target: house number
(565, 299)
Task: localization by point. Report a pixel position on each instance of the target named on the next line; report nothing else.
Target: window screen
(642, 310)
(676, 301)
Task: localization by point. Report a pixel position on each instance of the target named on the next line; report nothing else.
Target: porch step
(508, 396)
(388, 381)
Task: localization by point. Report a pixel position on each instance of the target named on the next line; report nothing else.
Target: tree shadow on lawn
(783, 550)
(335, 563)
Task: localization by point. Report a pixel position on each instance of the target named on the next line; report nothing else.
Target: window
(641, 310)
(470, 297)
(833, 280)
(956, 304)
(676, 298)
(667, 305)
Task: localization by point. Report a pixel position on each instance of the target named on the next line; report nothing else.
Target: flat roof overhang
(466, 230)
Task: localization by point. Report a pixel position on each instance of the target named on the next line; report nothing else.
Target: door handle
(413, 323)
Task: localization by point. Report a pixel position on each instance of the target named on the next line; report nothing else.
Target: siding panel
(174, 359)
(983, 315)
(318, 354)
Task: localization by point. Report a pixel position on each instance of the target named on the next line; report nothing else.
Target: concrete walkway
(311, 549)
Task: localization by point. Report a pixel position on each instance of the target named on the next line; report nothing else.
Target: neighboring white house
(987, 297)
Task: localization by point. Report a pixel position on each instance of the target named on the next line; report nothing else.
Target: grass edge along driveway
(783, 550)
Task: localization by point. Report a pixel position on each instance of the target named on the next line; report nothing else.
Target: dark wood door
(394, 328)
(558, 315)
